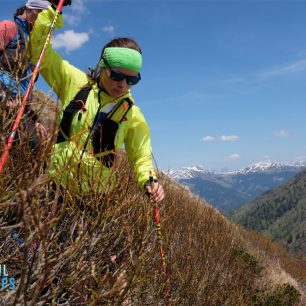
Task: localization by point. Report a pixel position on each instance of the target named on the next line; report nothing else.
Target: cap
(37, 4)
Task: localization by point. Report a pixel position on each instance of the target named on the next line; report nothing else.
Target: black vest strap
(74, 106)
(104, 134)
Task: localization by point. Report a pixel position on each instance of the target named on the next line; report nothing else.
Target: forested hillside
(279, 214)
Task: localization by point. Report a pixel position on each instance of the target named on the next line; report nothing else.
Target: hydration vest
(103, 130)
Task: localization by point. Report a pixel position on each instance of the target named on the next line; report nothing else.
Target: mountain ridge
(228, 190)
(262, 166)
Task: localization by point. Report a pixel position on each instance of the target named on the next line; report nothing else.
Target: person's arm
(138, 146)
(62, 77)
(139, 151)
(8, 30)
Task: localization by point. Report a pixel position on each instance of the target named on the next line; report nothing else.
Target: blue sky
(224, 82)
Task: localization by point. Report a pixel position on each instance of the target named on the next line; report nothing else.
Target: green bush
(283, 295)
(249, 261)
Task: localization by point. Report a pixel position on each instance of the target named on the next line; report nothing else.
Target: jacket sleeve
(62, 77)
(138, 147)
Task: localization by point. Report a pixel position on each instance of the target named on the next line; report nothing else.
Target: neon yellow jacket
(66, 80)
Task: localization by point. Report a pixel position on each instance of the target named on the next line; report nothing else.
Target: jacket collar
(23, 24)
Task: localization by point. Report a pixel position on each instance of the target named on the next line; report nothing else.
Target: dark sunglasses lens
(116, 75)
(119, 76)
(133, 80)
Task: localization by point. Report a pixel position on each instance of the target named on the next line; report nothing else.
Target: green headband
(118, 57)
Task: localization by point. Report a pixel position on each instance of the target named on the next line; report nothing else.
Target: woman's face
(115, 88)
(31, 15)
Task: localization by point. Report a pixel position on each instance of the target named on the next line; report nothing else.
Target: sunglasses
(119, 76)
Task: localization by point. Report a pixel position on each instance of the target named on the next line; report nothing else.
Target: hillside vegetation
(102, 249)
(280, 214)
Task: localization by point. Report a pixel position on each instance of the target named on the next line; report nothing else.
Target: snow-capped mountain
(262, 166)
(231, 189)
(270, 166)
(187, 172)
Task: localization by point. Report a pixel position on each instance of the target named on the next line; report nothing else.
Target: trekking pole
(160, 242)
(29, 89)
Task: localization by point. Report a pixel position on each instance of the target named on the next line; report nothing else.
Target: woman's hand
(155, 191)
(42, 131)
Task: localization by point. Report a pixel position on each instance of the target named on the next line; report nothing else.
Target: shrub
(283, 295)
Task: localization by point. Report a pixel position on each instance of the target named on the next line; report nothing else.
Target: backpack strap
(122, 103)
(21, 39)
(70, 111)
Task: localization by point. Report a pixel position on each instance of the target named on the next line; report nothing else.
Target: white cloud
(70, 40)
(208, 138)
(267, 157)
(229, 138)
(78, 6)
(298, 66)
(72, 19)
(300, 158)
(281, 133)
(109, 29)
(221, 138)
(233, 157)
(78, 11)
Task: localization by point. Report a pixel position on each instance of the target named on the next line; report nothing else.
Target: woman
(98, 114)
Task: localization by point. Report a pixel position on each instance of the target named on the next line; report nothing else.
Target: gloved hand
(55, 2)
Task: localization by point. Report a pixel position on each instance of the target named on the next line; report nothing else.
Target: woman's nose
(122, 83)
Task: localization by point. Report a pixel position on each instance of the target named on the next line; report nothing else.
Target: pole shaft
(161, 253)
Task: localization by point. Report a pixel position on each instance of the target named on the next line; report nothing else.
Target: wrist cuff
(148, 183)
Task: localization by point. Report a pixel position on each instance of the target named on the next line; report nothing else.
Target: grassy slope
(210, 261)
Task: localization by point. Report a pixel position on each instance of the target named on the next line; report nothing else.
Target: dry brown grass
(279, 267)
(70, 239)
